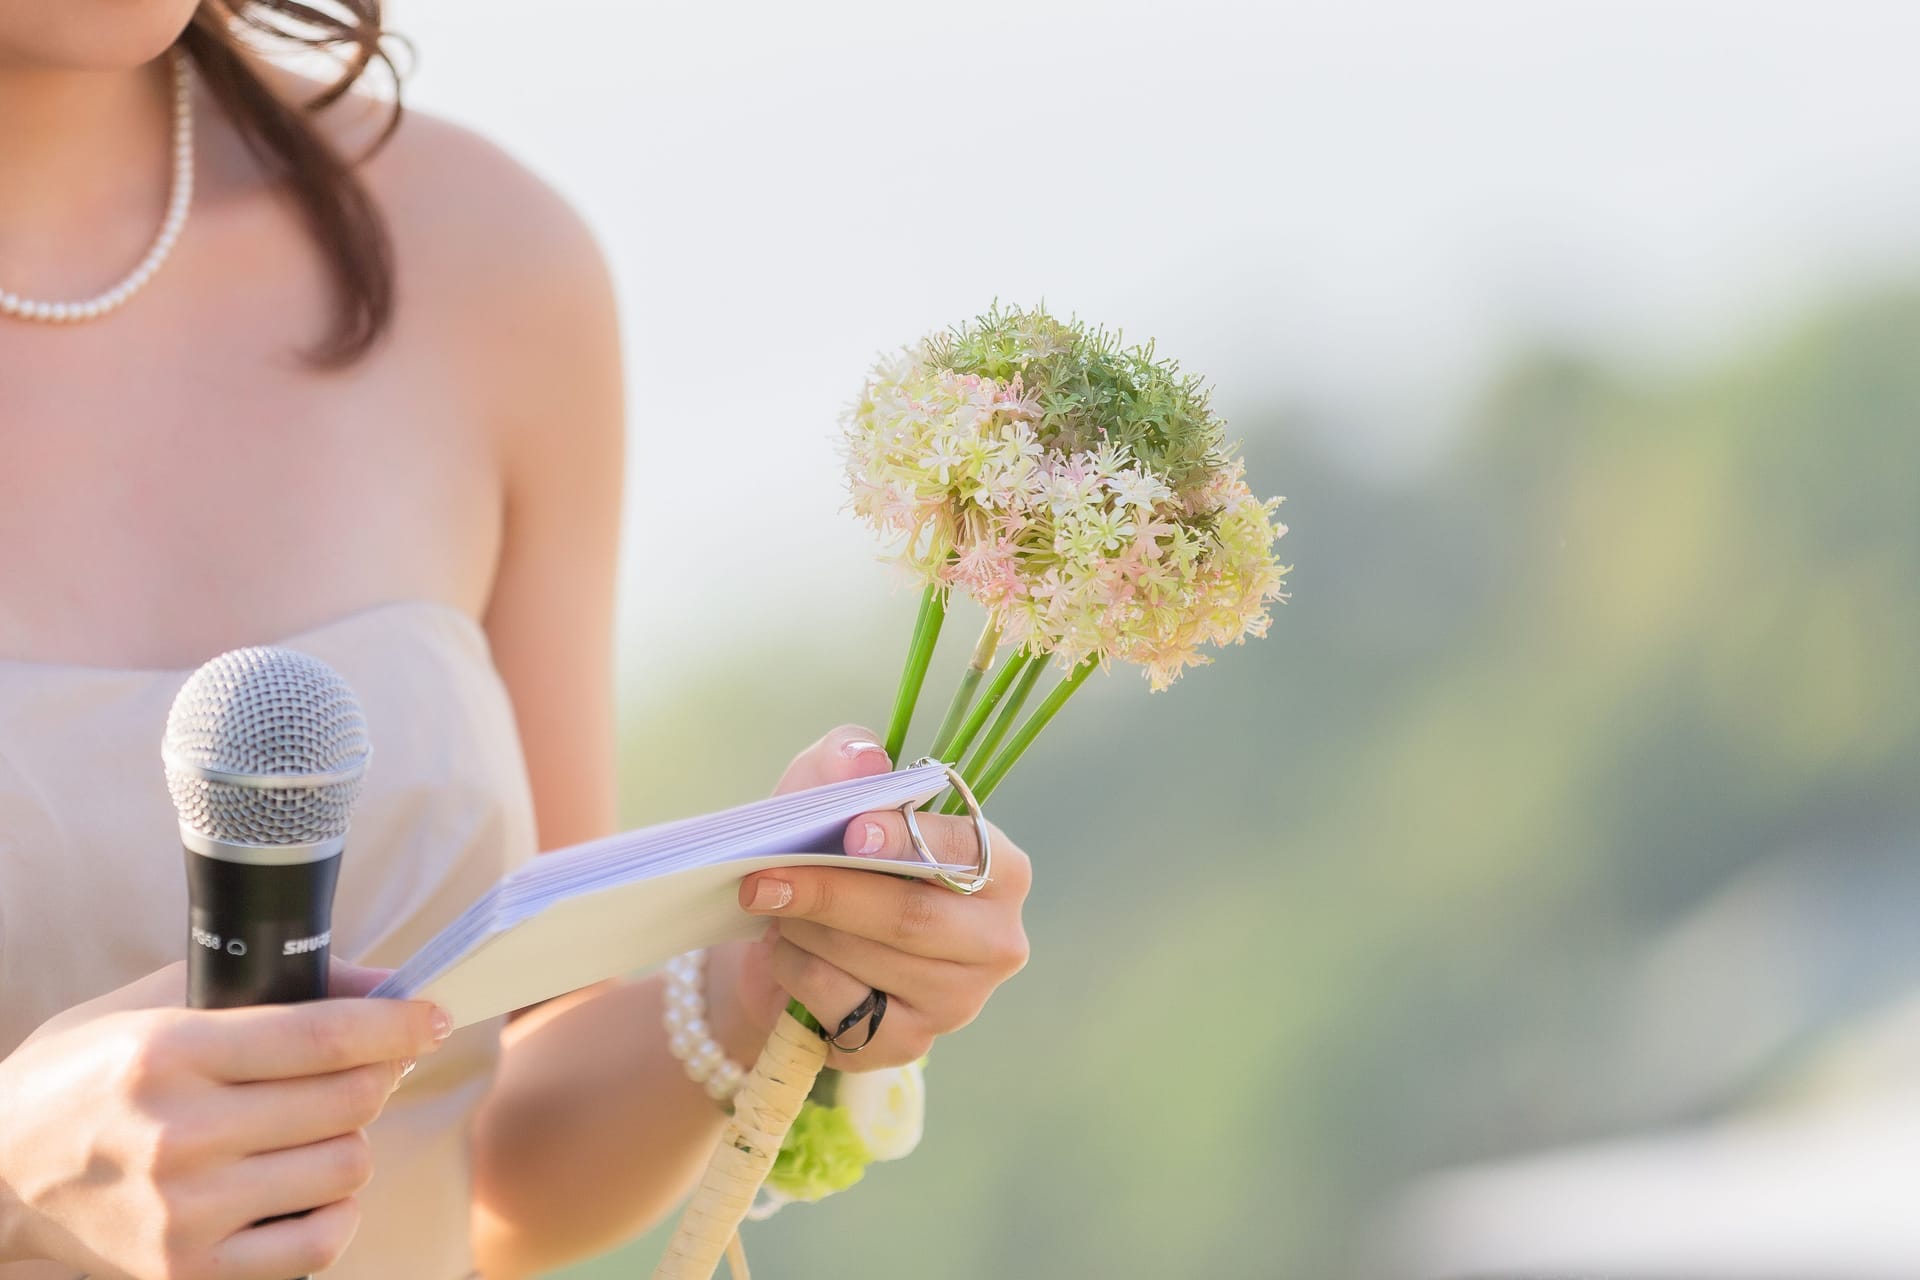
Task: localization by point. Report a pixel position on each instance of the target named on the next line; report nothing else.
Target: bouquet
(1083, 493)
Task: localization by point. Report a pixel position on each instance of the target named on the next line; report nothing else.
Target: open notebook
(610, 907)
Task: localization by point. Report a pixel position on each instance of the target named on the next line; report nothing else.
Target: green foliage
(1093, 389)
(1377, 896)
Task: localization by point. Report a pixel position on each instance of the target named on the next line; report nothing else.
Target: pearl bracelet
(688, 1037)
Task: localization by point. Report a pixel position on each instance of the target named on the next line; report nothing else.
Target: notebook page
(622, 903)
(612, 933)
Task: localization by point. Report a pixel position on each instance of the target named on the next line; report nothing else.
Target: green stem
(926, 631)
(1002, 725)
(977, 718)
(983, 786)
(800, 1014)
(983, 651)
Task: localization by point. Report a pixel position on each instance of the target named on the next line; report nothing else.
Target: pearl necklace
(12, 304)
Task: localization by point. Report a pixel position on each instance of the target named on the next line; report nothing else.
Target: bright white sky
(1354, 206)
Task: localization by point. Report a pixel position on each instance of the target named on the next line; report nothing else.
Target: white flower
(888, 1108)
(766, 1204)
(1138, 488)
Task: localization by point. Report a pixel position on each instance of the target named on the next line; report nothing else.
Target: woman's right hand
(142, 1138)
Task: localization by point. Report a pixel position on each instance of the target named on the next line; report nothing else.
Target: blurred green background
(1571, 795)
(1389, 890)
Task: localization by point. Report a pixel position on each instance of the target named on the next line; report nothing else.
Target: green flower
(1080, 490)
(822, 1154)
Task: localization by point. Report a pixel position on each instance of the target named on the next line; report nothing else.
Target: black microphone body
(264, 752)
(258, 934)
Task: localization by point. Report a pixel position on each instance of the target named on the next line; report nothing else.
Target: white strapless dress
(92, 889)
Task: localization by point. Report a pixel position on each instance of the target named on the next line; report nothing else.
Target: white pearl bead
(179, 200)
(688, 1036)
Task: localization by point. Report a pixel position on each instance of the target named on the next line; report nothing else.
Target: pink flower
(1015, 400)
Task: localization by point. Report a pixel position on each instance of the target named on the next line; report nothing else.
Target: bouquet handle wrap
(763, 1111)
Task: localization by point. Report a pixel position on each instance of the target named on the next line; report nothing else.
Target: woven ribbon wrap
(763, 1111)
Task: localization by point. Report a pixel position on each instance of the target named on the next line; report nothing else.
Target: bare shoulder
(456, 196)
(455, 200)
(500, 274)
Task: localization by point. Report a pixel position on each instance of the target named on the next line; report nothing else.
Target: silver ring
(980, 829)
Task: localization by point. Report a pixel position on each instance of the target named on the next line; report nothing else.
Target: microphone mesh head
(267, 714)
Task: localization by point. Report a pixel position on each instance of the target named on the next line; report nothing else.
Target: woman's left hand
(837, 934)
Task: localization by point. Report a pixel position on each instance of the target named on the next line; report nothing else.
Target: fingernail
(442, 1024)
(406, 1069)
(770, 895)
(872, 838)
(858, 747)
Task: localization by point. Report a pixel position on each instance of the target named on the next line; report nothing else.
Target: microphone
(264, 752)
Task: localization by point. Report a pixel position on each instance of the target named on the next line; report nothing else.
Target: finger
(953, 841)
(941, 989)
(292, 1246)
(345, 980)
(830, 993)
(293, 1181)
(281, 1042)
(913, 915)
(275, 1115)
(850, 751)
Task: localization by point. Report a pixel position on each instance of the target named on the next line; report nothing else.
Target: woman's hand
(937, 954)
(142, 1138)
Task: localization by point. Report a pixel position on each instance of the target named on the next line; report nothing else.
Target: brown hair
(338, 209)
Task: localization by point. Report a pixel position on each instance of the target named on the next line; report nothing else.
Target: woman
(370, 407)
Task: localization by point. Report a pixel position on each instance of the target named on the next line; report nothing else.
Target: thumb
(851, 751)
(162, 989)
(167, 989)
(348, 980)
